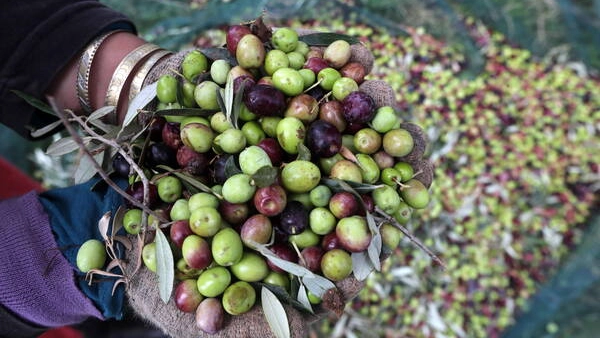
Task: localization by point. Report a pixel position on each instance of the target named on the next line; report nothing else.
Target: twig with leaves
(97, 166)
(111, 143)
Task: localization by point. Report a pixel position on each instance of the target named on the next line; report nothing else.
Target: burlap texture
(380, 91)
(143, 297)
(424, 172)
(168, 65)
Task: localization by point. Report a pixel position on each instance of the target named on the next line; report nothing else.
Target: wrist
(108, 57)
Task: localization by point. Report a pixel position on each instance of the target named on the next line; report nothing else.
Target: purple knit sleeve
(36, 282)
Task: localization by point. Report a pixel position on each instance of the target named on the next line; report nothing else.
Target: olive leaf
(294, 287)
(265, 176)
(218, 53)
(35, 102)
(186, 112)
(361, 265)
(260, 29)
(374, 249)
(103, 225)
(303, 152)
(45, 129)
(275, 314)
(231, 168)
(117, 222)
(199, 78)
(237, 104)
(349, 186)
(179, 92)
(303, 298)
(164, 266)
(42, 106)
(85, 169)
(100, 113)
(284, 296)
(129, 134)
(325, 39)
(221, 102)
(96, 116)
(315, 283)
(139, 102)
(106, 128)
(228, 97)
(65, 145)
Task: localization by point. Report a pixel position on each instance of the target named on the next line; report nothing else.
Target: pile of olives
(298, 125)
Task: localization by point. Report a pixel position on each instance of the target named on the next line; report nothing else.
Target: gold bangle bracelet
(142, 73)
(122, 73)
(84, 68)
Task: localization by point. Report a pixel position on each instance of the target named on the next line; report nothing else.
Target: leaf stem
(410, 236)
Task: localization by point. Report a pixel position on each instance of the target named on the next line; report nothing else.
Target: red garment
(13, 182)
(62, 332)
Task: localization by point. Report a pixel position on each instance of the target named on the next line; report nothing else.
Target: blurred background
(508, 92)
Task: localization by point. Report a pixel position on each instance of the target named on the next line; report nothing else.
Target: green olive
(227, 247)
(166, 89)
(300, 176)
(91, 255)
(239, 298)
(169, 188)
(193, 64)
(238, 188)
(213, 281)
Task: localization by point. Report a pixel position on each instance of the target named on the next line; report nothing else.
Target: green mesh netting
(554, 28)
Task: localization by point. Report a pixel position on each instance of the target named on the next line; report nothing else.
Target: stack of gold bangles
(134, 67)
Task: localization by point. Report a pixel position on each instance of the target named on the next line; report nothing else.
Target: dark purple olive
(120, 166)
(160, 153)
(136, 190)
(217, 168)
(353, 127)
(317, 92)
(264, 100)
(293, 219)
(323, 139)
(155, 128)
(247, 80)
(358, 107)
